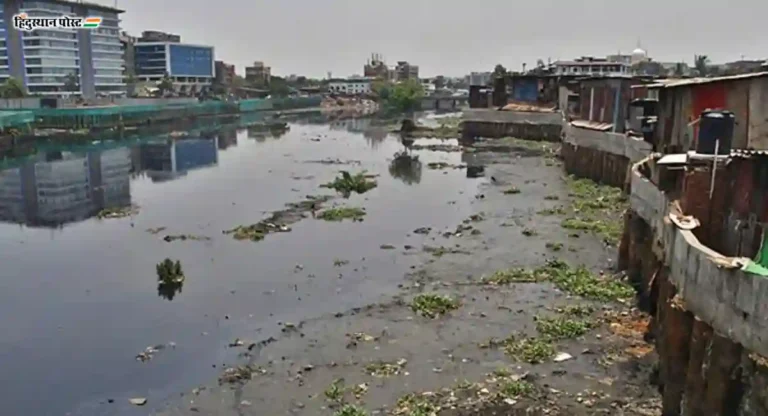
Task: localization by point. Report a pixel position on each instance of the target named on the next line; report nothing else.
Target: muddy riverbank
(494, 315)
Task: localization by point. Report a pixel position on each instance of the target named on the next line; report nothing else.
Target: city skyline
(444, 39)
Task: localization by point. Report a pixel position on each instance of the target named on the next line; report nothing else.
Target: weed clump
(346, 184)
(576, 281)
(335, 392)
(554, 246)
(563, 328)
(432, 306)
(517, 388)
(415, 405)
(512, 191)
(552, 211)
(505, 277)
(342, 213)
(530, 350)
(169, 272)
(596, 208)
(351, 410)
(385, 369)
(122, 212)
(580, 281)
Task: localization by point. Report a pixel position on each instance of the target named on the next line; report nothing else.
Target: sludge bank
(687, 244)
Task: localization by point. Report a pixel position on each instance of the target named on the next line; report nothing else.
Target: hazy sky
(452, 37)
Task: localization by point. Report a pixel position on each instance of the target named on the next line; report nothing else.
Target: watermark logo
(26, 23)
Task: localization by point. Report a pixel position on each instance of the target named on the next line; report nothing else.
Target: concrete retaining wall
(733, 302)
(481, 122)
(601, 156)
(710, 320)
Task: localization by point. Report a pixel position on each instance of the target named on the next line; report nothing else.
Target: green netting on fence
(295, 102)
(111, 116)
(87, 117)
(15, 118)
(258, 104)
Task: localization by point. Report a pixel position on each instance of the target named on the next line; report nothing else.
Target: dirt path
(523, 330)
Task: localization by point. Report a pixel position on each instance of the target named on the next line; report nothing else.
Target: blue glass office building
(45, 59)
(191, 67)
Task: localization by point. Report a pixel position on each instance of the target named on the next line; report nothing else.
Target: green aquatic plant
(573, 280)
(342, 213)
(170, 278)
(169, 271)
(346, 184)
(432, 305)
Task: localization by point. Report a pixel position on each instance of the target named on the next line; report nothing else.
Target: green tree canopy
(499, 71)
(382, 89)
(12, 88)
(406, 96)
(71, 82)
(165, 84)
(701, 63)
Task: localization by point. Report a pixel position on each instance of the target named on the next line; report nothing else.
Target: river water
(79, 295)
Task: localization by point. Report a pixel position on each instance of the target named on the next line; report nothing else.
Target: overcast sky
(452, 37)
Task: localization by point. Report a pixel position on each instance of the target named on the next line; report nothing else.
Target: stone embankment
(710, 322)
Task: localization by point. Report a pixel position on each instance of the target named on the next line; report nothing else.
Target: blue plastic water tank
(715, 125)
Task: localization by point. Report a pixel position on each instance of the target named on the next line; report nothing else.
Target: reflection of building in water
(62, 187)
(375, 136)
(170, 159)
(358, 125)
(227, 138)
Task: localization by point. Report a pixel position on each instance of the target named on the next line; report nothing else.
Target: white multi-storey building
(351, 86)
(59, 61)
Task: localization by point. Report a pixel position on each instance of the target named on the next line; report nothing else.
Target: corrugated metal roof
(747, 153)
(674, 83)
(592, 125)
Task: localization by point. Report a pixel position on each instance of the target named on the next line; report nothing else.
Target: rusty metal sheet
(737, 101)
(757, 134)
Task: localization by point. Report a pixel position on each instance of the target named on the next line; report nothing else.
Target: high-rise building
(405, 71)
(158, 36)
(258, 73)
(59, 61)
(377, 68)
(190, 67)
(225, 73)
(129, 67)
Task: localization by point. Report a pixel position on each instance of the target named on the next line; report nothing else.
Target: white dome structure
(639, 54)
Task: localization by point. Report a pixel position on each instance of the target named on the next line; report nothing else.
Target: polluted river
(220, 273)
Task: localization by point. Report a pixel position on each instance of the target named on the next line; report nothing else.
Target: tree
(439, 82)
(381, 89)
(165, 85)
(499, 71)
(71, 82)
(278, 86)
(700, 62)
(679, 69)
(406, 96)
(540, 64)
(12, 88)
